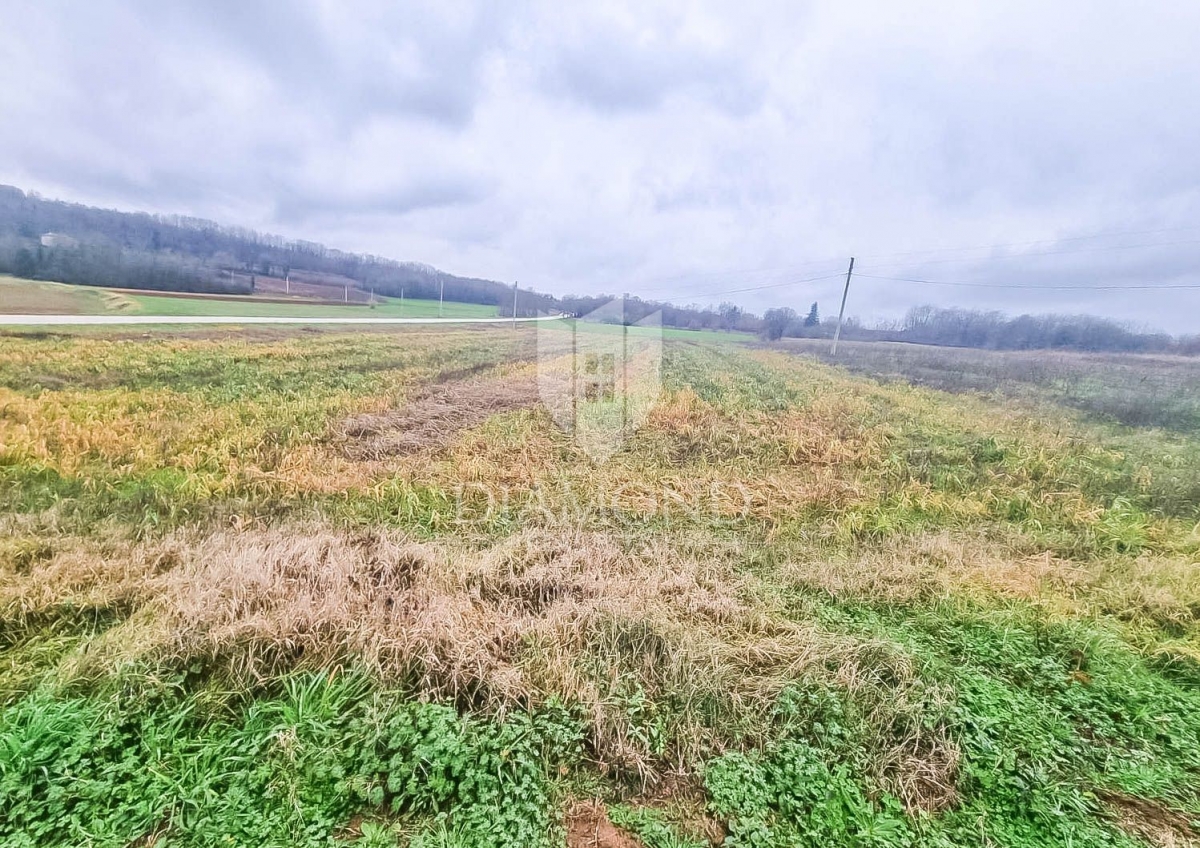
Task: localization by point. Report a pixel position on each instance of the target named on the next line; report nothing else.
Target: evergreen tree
(24, 264)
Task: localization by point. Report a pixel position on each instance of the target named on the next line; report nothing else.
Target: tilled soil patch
(434, 417)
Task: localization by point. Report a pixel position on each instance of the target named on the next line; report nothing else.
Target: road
(103, 320)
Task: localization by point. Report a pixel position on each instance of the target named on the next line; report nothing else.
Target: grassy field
(333, 588)
(246, 308)
(1138, 390)
(30, 297)
(33, 298)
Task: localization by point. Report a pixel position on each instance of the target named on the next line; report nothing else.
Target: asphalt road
(102, 320)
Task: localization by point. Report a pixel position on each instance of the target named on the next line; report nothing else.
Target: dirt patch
(588, 826)
(434, 417)
(1151, 821)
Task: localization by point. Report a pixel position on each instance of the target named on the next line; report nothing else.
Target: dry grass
(1151, 822)
(570, 615)
(921, 770)
(1142, 390)
(27, 297)
(938, 566)
(433, 417)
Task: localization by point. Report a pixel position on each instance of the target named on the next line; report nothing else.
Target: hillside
(137, 250)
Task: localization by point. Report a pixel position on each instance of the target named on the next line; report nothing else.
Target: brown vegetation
(434, 417)
(1152, 822)
(1147, 390)
(543, 614)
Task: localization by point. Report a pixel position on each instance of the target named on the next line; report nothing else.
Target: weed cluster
(284, 770)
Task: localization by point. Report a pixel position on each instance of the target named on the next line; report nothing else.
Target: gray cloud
(319, 207)
(616, 69)
(679, 150)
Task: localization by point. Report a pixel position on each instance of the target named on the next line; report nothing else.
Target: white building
(58, 240)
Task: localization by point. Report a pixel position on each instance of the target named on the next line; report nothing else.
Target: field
(1139, 390)
(34, 298)
(247, 307)
(26, 296)
(329, 588)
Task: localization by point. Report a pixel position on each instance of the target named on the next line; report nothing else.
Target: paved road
(92, 320)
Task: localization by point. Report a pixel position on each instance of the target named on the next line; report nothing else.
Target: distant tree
(777, 322)
(730, 314)
(813, 319)
(24, 264)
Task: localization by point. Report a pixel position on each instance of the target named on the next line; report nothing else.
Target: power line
(746, 272)
(1109, 234)
(830, 260)
(1031, 286)
(759, 288)
(985, 259)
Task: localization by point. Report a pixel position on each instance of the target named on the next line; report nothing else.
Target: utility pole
(345, 294)
(441, 295)
(514, 305)
(837, 334)
(401, 310)
(624, 361)
(574, 376)
(287, 282)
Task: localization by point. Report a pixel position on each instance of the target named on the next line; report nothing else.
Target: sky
(693, 152)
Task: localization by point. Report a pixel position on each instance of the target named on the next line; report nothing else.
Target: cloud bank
(675, 149)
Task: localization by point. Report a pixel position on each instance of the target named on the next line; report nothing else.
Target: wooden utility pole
(514, 305)
(574, 375)
(837, 334)
(624, 361)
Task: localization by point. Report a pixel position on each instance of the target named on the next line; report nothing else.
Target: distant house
(58, 240)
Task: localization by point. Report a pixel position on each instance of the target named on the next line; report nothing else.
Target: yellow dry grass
(572, 615)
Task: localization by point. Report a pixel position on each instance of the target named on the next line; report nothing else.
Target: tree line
(138, 250)
(991, 330)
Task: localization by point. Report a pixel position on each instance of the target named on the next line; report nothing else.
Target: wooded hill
(72, 243)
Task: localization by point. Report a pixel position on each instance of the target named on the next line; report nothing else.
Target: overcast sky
(674, 149)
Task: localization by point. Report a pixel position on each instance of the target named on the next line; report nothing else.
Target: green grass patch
(289, 769)
(247, 307)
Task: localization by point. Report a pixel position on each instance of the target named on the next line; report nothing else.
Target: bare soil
(588, 826)
(434, 417)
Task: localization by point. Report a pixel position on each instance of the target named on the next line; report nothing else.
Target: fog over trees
(45, 239)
